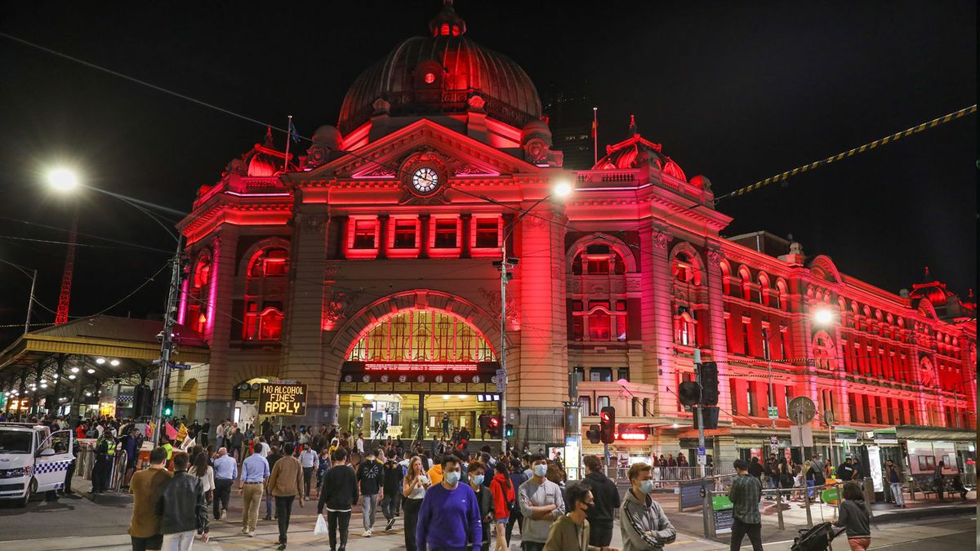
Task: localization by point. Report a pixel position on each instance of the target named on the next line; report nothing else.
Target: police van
(32, 460)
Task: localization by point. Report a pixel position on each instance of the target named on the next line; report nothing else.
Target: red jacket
(502, 491)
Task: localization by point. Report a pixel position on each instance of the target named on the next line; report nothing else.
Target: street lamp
(562, 188)
(65, 180)
(62, 179)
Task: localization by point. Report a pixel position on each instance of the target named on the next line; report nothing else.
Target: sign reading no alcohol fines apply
(282, 399)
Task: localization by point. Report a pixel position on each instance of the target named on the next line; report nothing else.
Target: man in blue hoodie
(449, 519)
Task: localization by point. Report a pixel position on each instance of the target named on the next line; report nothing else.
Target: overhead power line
(852, 152)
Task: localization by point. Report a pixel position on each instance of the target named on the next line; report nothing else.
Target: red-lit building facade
(362, 266)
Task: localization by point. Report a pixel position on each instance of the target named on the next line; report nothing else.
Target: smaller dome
(264, 160)
(931, 289)
(261, 166)
(448, 22)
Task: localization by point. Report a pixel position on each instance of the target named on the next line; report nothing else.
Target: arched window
(264, 292)
(199, 293)
(726, 272)
(782, 295)
(269, 262)
(263, 326)
(743, 272)
(685, 331)
(685, 269)
(763, 289)
(598, 259)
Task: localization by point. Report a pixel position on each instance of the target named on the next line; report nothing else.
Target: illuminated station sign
(403, 367)
(631, 432)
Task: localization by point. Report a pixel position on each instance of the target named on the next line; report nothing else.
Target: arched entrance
(187, 402)
(410, 369)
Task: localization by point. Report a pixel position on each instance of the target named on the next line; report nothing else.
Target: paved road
(79, 524)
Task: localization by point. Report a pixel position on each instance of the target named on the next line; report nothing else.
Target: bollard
(806, 503)
(779, 509)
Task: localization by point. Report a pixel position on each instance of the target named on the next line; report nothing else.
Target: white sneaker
(244, 530)
(367, 533)
(251, 534)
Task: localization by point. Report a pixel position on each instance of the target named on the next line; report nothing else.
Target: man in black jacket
(606, 503)
(181, 508)
(392, 489)
(755, 468)
(338, 494)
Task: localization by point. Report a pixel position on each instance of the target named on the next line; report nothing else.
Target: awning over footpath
(131, 341)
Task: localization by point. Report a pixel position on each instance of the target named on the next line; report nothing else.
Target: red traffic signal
(607, 425)
(493, 426)
(495, 422)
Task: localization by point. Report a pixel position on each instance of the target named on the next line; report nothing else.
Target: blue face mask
(478, 479)
(646, 486)
(452, 477)
(540, 470)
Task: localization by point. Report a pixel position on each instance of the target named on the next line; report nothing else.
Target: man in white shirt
(309, 460)
(360, 443)
(262, 448)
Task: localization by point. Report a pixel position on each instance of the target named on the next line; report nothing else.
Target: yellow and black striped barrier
(850, 153)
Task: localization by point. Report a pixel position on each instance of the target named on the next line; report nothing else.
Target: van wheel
(31, 490)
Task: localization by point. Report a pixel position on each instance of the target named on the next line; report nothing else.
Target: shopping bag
(321, 526)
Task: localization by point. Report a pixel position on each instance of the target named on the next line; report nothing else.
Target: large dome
(438, 74)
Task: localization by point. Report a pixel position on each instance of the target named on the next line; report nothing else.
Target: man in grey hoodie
(642, 520)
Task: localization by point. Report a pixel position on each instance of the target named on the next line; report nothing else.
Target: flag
(293, 132)
(182, 433)
(595, 127)
(149, 429)
(171, 431)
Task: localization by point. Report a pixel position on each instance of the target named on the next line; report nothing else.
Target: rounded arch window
(685, 269)
(269, 262)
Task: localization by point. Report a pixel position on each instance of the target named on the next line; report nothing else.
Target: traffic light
(509, 431)
(689, 393)
(607, 425)
(709, 383)
(168, 407)
(710, 416)
(493, 427)
(593, 434)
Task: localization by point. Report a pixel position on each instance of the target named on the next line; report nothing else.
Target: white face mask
(540, 470)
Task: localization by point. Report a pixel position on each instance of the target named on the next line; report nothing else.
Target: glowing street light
(823, 316)
(62, 179)
(100, 361)
(114, 363)
(563, 188)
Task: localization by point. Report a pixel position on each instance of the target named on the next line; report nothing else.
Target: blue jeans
(810, 491)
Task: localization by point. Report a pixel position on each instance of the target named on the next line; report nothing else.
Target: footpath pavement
(80, 524)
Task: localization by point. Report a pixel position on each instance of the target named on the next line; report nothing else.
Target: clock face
(425, 180)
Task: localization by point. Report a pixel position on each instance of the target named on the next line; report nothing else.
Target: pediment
(384, 158)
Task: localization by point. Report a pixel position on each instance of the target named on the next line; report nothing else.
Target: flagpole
(289, 136)
(595, 136)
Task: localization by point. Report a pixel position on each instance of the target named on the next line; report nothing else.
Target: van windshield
(15, 441)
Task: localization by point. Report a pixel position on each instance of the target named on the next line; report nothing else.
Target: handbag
(321, 526)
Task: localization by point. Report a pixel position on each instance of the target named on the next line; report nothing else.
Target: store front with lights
(409, 370)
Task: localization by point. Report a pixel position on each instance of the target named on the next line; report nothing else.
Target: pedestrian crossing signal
(509, 431)
(168, 407)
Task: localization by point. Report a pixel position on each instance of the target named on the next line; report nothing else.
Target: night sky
(736, 91)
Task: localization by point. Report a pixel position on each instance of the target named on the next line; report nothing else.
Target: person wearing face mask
(450, 518)
(477, 475)
(642, 520)
(541, 503)
(571, 532)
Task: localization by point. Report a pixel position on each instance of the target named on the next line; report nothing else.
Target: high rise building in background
(363, 268)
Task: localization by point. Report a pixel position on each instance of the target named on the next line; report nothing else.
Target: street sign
(702, 456)
(774, 412)
(701, 450)
(501, 380)
(828, 418)
(282, 399)
(178, 366)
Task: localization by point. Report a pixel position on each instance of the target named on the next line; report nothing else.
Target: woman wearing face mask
(571, 532)
(642, 520)
(477, 473)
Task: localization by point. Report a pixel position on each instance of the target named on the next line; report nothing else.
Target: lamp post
(561, 189)
(64, 180)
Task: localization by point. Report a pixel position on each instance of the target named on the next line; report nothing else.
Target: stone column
(656, 317)
(542, 366)
(311, 300)
(215, 393)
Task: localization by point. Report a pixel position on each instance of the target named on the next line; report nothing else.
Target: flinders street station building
(362, 265)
